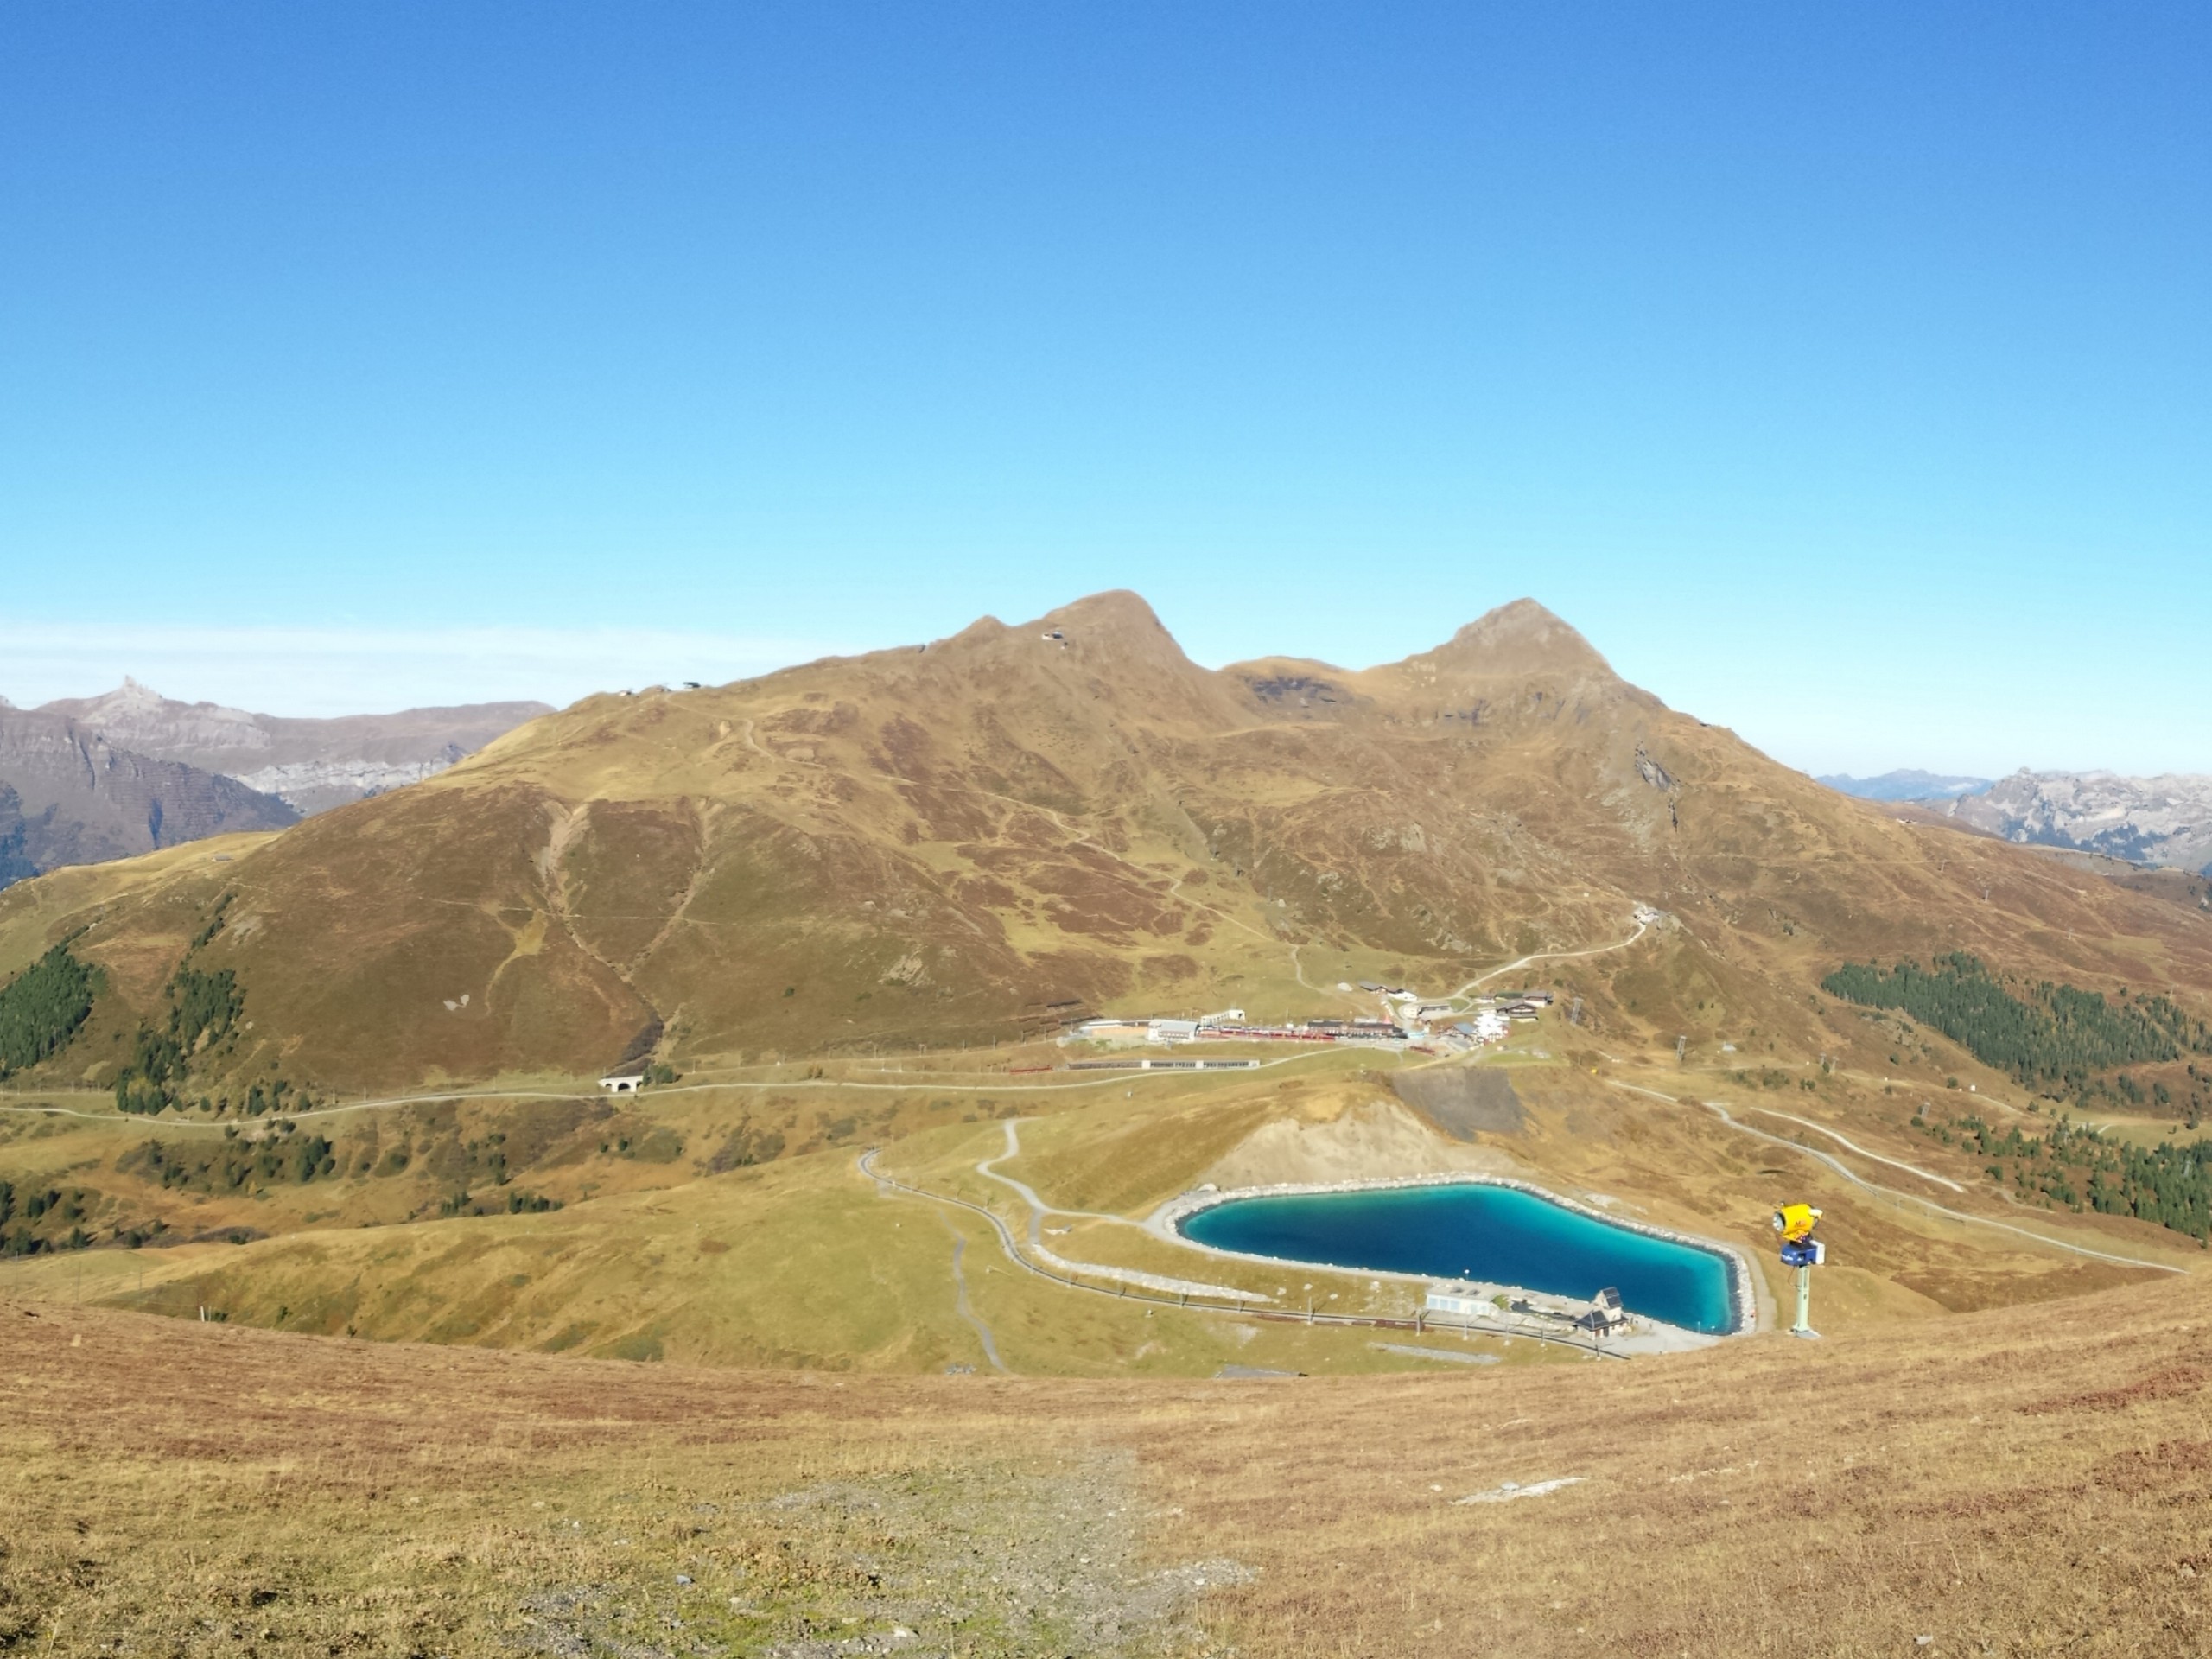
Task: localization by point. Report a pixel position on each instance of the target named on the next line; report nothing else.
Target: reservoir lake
(1496, 1234)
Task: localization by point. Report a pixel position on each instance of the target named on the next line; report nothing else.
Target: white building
(1606, 1313)
(624, 1083)
(1109, 1030)
(1458, 1302)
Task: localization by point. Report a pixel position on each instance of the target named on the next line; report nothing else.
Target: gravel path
(960, 1295)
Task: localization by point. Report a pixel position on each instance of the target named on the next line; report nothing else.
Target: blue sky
(1841, 371)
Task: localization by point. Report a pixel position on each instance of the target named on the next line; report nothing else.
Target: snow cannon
(1795, 1222)
(1800, 1250)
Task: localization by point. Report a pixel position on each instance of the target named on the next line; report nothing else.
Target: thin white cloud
(322, 671)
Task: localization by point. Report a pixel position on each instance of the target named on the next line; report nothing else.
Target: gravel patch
(977, 1561)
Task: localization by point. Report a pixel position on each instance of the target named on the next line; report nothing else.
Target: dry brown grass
(946, 847)
(2014, 1481)
(813, 1268)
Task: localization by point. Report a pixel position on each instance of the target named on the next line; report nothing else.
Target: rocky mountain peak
(1118, 622)
(1107, 632)
(141, 718)
(2165, 819)
(1514, 640)
(1524, 634)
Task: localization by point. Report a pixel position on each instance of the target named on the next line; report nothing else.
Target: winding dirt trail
(1467, 989)
(1858, 1180)
(1039, 1209)
(960, 1303)
(1853, 1146)
(973, 1082)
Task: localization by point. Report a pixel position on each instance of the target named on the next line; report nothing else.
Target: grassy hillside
(963, 844)
(728, 1222)
(851, 904)
(2014, 1481)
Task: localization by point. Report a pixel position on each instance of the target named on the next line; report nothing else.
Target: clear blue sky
(1845, 372)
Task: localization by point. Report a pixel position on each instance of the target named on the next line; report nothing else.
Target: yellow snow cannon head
(1795, 1222)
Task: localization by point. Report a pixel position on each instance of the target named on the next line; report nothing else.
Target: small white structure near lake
(1459, 1302)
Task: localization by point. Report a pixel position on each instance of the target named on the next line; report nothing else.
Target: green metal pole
(1804, 1325)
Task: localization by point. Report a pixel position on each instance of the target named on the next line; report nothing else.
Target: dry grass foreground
(2022, 1480)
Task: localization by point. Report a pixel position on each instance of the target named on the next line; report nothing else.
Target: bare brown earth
(2012, 1481)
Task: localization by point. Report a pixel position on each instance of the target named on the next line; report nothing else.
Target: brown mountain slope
(941, 844)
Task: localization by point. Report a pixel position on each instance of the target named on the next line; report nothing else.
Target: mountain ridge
(1907, 784)
(939, 842)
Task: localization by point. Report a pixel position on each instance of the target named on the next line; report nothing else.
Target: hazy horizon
(491, 665)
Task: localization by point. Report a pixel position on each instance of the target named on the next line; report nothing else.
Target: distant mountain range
(67, 796)
(313, 765)
(2164, 821)
(1906, 786)
(86, 779)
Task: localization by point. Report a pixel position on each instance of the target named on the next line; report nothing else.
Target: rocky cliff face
(67, 796)
(312, 765)
(2163, 821)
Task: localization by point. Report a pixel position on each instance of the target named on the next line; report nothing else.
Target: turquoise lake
(1495, 1233)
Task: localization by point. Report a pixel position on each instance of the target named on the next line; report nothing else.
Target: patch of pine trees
(2083, 1169)
(29, 1220)
(234, 1165)
(2055, 1038)
(203, 1024)
(43, 1007)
